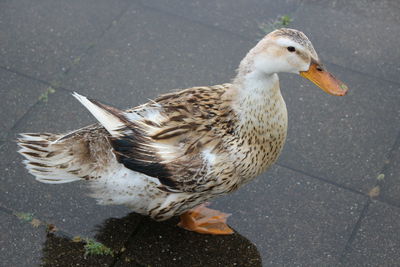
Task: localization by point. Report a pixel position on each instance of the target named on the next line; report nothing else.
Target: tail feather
(46, 159)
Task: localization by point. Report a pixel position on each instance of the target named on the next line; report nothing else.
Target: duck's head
(289, 50)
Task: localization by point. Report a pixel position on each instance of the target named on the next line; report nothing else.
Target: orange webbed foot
(205, 221)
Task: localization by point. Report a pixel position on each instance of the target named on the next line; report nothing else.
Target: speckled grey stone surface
(20, 242)
(18, 94)
(343, 139)
(313, 208)
(44, 38)
(292, 218)
(248, 19)
(165, 244)
(363, 34)
(377, 242)
(388, 179)
(148, 52)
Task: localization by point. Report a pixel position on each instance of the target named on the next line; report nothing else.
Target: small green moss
(45, 95)
(23, 216)
(285, 20)
(77, 239)
(93, 247)
(91, 45)
(279, 22)
(76, 60)
(380, 177)
(55, 84)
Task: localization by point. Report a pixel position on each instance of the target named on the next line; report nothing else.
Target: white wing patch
(209, 156)
(154, 115)
(149, 113)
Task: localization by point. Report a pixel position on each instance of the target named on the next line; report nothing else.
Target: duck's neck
(257, 84)
(259, 103)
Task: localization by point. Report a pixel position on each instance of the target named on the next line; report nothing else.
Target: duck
(171, 155)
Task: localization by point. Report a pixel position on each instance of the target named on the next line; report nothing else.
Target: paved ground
(332, 199)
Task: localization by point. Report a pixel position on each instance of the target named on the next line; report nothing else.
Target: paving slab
(68, 206)
(25, 241)
(165, 244)
(389, 180)
(294, 220)
(150, 48)
(244, 18)
(62, 251)
(18, 94)
(45, 37)
(343, 139)
(115, 232)
(20, 242)
(59, 250)
(358, 35)
(377, 241)
(147, 53)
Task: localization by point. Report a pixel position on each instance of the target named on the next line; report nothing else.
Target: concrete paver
(308, 210)
(42, 39)
(389, 178)
(377, 242)
(20, 242)
(17, 94)
(161, 244)
(148, 53)
(358, 35)
(245, 18)
(292, 218)
(343, 139)
(59, 250)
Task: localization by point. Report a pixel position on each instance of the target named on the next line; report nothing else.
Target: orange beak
(324, 80)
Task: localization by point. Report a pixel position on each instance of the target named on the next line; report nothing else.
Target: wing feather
(165, 138)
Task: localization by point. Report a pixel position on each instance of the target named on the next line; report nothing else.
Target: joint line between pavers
(14, 71)
(354, 231)
(384, 201)
(60, 232)
(364, 73)
(26, 76)
(321, 179)
(118, 257)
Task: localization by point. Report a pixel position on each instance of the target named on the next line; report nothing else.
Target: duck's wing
(176, 138)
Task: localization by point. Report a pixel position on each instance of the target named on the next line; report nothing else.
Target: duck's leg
(205, 221)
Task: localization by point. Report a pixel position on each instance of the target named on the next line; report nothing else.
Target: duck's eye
(291, 49)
